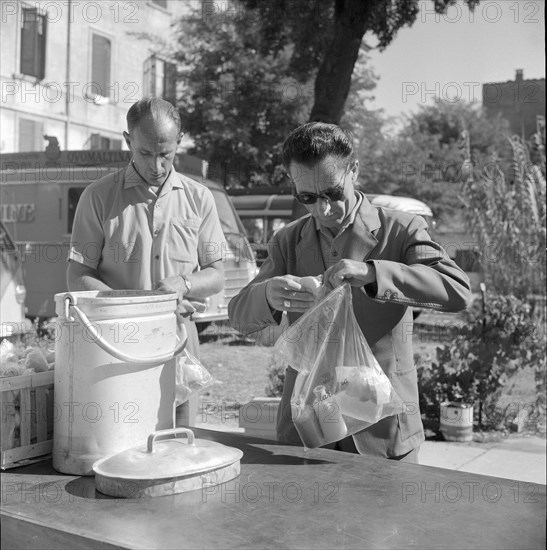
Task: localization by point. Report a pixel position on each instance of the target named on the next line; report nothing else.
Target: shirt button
(157, 256)
(156, 231)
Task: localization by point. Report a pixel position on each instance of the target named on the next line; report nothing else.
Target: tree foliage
(251, 71)
(424, 159)
(238, 100)
(328, 34)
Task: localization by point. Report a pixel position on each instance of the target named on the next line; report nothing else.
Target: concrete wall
(64, 101)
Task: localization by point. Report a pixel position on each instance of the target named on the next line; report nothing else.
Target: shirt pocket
(183, 240)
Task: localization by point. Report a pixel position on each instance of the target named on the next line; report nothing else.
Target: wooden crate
(26, 405)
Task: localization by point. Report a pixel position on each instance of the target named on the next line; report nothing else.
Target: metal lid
(167, 459)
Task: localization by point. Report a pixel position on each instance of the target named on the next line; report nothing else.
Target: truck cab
(264, 213)
(39, 199)
(12, 288)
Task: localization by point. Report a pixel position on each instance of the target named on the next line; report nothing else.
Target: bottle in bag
(330, 418)
(307, 425)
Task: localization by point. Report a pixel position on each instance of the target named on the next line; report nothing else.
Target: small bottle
(307, 425)
(330, 418)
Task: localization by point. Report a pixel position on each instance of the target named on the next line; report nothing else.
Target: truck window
(74, 194)
(228, 220)
(6, 244)
(255, 229)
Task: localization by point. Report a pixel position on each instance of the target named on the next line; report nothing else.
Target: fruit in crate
(36, 360)
(16, 360)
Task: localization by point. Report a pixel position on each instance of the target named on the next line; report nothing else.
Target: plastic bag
(190, 377)
(340, 388)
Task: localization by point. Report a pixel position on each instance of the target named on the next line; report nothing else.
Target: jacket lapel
(363, 240)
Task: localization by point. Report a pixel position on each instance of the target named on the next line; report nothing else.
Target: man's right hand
(287, 294)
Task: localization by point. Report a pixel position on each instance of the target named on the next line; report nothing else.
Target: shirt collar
(133, 178)
(350, 219)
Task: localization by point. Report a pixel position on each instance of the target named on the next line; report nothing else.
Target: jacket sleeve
(425, 276)
(249, 310)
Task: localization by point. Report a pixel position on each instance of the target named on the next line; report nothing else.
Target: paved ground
(519, 457)
(515, 457)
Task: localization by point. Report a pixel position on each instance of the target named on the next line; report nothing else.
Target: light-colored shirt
(332, 248)
(134, 237)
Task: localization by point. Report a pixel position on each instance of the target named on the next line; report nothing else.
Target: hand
(355, 273)
(287, 294)
(173, 284)
(184, 309)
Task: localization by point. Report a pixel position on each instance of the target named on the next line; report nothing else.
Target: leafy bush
(475, 366)
(508, 217)
(276, 378)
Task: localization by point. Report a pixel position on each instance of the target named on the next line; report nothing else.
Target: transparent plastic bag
(190, 377)
(340, 388)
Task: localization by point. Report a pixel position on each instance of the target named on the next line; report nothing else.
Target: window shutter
(147, 68)
(41, 48)
(170, 86)
(100, 65)
(95, 142)
(33, 43)
(159, 66)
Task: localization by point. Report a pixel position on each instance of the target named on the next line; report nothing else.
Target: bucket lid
(172, 458)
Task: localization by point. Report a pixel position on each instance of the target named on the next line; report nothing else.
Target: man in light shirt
(146, 227)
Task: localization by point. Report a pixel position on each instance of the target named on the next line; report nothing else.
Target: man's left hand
(355, 273)
(177, 285)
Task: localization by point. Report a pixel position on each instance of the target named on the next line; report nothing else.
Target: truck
(12, 288)
(39, 194)
(264, 213)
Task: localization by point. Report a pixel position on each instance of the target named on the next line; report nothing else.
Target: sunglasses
(332, 195)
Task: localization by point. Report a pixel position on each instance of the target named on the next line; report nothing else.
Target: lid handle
(173, 431)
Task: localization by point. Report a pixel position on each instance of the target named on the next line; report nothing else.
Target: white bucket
(457, 421)
(114, 373)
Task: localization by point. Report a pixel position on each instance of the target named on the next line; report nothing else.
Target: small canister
(328, 413)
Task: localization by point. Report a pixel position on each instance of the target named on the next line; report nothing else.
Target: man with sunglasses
(388, 258)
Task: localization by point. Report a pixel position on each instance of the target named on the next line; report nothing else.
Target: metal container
(167, 467)
(114, 374)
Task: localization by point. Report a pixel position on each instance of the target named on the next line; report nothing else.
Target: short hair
(314, 141)
(151, 108)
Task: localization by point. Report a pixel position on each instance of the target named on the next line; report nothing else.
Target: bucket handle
(106, 346)
(173, 431)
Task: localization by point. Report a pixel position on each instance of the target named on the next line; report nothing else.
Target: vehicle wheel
(202, 326)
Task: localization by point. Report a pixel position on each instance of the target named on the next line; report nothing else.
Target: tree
(238, 99)
(424, 158)
(328, 34)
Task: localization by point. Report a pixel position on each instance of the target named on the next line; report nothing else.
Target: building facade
(69, 70)
(519, 101)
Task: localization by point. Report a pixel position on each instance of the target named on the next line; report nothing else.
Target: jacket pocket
(409, 420)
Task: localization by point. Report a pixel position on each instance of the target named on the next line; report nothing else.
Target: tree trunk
(333, 79)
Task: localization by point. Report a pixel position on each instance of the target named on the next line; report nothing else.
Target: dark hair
(154, 108)
(314, 141)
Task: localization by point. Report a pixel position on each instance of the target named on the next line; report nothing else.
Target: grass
(240, 373)
(240, 370)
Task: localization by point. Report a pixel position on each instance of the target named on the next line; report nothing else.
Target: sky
(453, 55)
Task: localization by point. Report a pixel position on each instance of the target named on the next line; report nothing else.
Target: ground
(240, 369)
